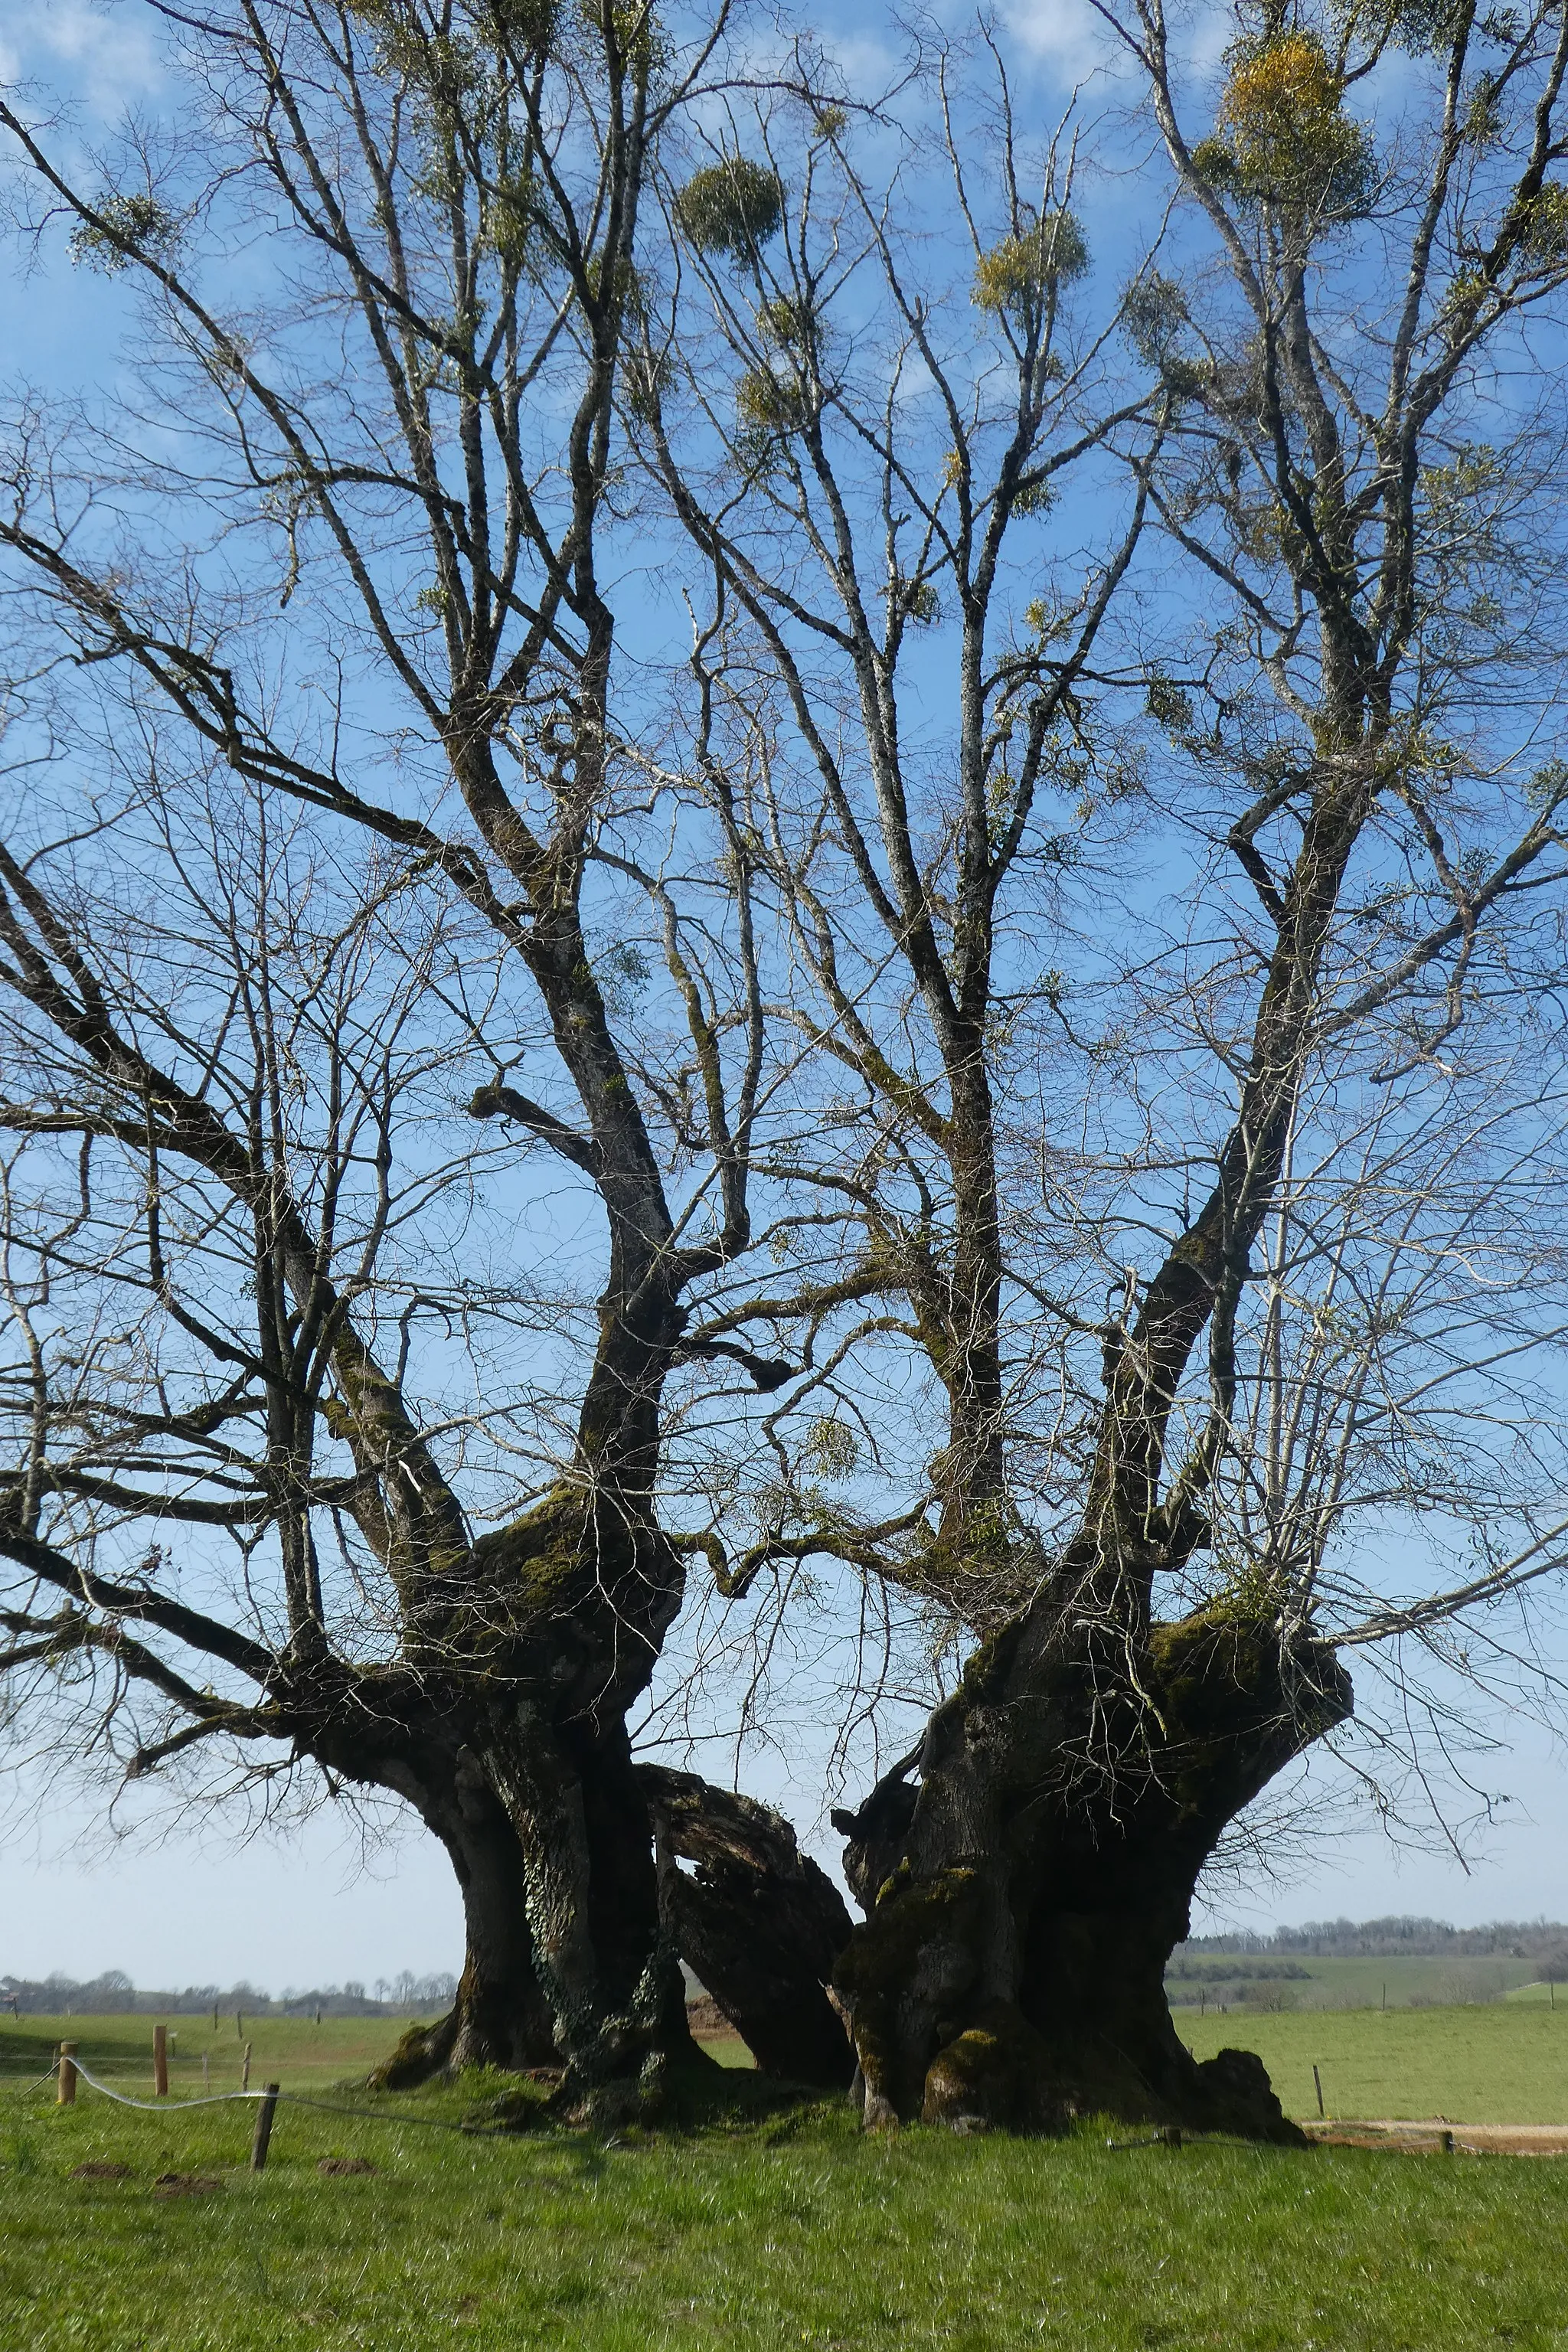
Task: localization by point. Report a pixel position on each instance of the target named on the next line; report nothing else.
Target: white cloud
(1069, 38)
(1072, 40)
(102, 56)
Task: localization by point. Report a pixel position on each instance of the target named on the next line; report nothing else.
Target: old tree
(1205, 1096)
(1002, 1043)
(353, 768)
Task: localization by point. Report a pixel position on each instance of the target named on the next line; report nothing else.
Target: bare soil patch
(1435, 2136)
(707, 2021)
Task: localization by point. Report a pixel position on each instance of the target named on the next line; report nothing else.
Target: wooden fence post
(65, 2094)
(1318, 2086)
(263, 2114)
(245, 2069)
(160, 2061)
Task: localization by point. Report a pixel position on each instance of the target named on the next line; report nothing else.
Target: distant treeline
(114, 1994)
(1187, 1970)
(1402, 1938)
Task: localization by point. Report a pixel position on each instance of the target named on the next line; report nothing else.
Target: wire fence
(293, 2099)
(163, 2107)
(166, 2106)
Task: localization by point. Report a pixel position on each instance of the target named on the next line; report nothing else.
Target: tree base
(682, 2097)
(423, 2052)
(1001, 2074)
(1021, 1910)
(486, 2026)
(757, 1922)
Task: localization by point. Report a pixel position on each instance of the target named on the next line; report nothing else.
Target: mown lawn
(771, 2233)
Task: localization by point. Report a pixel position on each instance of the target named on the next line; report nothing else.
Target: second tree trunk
(1022, 1905)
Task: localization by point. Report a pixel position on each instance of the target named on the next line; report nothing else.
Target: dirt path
(1437, 2136)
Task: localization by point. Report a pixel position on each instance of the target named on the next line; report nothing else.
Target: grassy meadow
(286, 2049)
(1421, 1982)
(773, 2231)
(1497, 2064)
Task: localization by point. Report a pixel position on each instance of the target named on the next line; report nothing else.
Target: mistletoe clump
(1017, 274)
(1284, 137)
(732, 207)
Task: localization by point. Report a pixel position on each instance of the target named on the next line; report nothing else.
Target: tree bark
(1011, 1969)
(607, 1966)
(507, 1733)
(500, 2017)
(758, 1923)
(559, 1619)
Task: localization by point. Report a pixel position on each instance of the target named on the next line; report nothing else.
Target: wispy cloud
(103, 58)
(1068, 37)
(1072, 42)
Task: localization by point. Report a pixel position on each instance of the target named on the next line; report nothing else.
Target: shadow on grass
(695, 2096)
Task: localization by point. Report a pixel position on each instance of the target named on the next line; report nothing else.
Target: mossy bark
(596, 1588)
(1010, 1970)
(757, 1921)
(515, 1753)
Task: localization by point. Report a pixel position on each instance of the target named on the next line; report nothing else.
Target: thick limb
(757, 1921)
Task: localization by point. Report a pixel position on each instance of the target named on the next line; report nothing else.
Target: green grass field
(1497, 2065)
(1368, 1984)
(782, 2233)
(283, 2049)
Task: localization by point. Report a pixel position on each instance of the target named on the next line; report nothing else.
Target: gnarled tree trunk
(605, 1957)
(757, 1922)
(1021, 1911)
(572, 1603)
(500, 2017)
